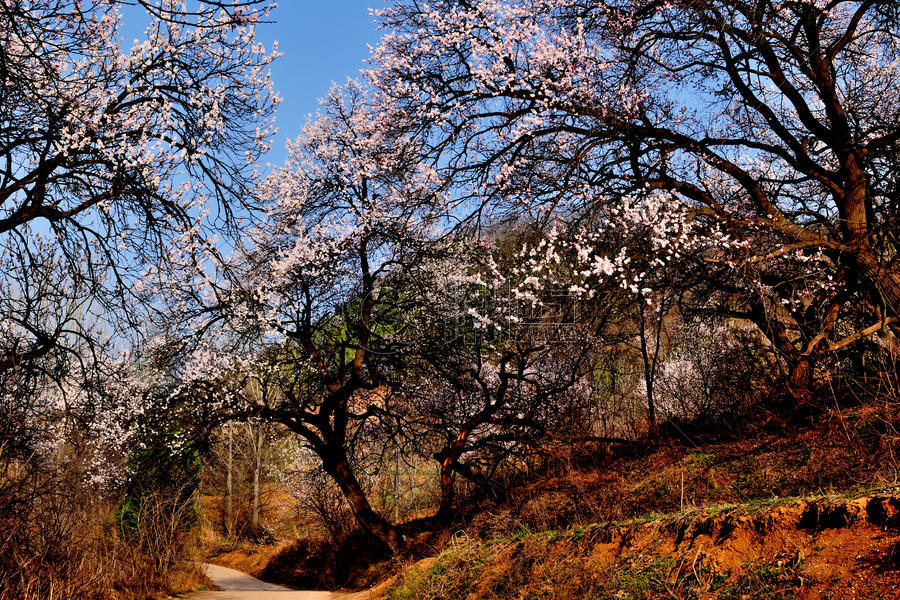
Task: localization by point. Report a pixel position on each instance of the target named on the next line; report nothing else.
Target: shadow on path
(236, 585)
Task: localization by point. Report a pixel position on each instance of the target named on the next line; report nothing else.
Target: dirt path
(240, 586)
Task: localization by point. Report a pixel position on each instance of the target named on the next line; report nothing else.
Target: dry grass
(81, 555)
(847, 451)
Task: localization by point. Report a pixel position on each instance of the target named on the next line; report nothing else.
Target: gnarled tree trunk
(338, 467)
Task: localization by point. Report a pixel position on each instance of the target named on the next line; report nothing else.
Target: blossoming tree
(119, 163)
(768, 119)
(119, 159)
(323, 290)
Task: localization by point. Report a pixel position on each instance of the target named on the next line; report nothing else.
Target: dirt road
(240, 586)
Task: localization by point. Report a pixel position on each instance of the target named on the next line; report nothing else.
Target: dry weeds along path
(240, 586)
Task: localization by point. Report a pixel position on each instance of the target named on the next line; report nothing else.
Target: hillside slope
(786, 511)
(827, 547)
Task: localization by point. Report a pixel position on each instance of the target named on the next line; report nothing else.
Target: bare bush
(64, 545)
(708, 373)
(318, 499)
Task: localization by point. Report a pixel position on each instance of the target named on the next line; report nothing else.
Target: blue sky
(322, 41)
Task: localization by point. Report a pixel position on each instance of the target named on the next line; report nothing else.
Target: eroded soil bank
(834, 548)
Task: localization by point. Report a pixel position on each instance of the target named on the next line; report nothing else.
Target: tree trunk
(229, 461)
(338, 467)
(258, 440)
(449, 460)
(801, 378)
(885, 281)
(448, 489)
(799, 367)
(648, 378)
(855, 218)
(397, 487)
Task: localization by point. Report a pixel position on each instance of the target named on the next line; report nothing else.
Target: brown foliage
(66, 544)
